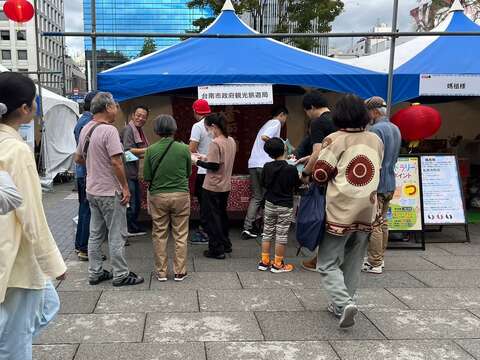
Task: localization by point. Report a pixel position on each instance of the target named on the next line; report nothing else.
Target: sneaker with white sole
(283, 268)
(369, 268)
(262, 266)
(249, 234)
(161, 278)
(348, 316)
(180, 277)
(334, 310)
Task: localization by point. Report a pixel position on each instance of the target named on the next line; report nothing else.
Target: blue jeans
(134, 209)
(22, 315)
(83, 226)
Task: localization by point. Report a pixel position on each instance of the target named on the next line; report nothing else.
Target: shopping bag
(311, 218)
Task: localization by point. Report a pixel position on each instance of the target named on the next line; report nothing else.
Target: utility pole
(392, 59)
(94, 45)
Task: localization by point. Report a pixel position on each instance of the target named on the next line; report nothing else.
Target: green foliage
(149, 47)
(296, 15)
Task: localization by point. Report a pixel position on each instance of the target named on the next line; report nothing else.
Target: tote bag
(311, 218)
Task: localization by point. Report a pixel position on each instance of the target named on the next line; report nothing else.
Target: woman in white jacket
(29, 257)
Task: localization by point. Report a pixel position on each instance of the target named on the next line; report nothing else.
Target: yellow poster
(404, 212)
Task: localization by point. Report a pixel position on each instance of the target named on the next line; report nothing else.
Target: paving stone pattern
(425, 306)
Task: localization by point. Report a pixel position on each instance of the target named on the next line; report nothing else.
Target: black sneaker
(180, 277)
(199, 239)
(106, 275)
(131, 279)
(249, 234)
(209, 255)
(133, 233)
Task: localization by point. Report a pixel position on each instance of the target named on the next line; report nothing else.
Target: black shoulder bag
(87, 140)
(159, 162)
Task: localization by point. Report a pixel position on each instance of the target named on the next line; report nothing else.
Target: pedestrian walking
(107, 190)
(83, 222)
(29, 255)
(392, 140)
(135, 141)
(280, 181)
(258, 158)
(167, 168)
(200, 140)
(349, 162)
(316, 108)
(217, 185)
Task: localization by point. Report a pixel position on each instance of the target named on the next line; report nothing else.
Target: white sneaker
(368, 268)
(348, 317)
(161, 279)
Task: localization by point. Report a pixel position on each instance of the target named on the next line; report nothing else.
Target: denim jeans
(107, 214)
(257, 201)
(22, 315)
(134, 209)
(83, 226)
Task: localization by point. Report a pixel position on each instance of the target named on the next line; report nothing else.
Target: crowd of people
(350, 152)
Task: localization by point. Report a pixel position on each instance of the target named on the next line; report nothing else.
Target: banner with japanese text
(237, 94)
(405, 210)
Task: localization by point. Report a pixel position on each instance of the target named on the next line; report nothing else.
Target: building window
(22, 70)
(21, 35)
(3, 16)
(22, 55)
(6, 55)
(5, 34)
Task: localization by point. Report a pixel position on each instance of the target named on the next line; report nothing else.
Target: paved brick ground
(425, 306)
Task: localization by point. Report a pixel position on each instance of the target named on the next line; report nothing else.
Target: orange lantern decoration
(417, 122)
(18, 10)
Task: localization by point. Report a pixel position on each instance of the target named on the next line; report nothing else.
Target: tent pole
(392, 59)
(94, 45)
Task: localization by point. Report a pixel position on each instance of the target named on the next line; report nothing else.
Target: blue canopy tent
(435, 55)
(210, 61)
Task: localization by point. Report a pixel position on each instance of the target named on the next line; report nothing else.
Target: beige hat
(375, 102)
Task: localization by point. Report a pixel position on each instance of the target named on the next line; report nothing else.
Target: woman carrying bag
(167, 168)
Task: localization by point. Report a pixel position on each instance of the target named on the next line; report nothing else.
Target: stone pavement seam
(375, 326)
(330, 342)
(144, 327)
(424, 257)
(240, 280)
(259, 325)
(420, 281)
(205, 350)
(396, 297)
(98, 300)
(198, 300)
(456, 342)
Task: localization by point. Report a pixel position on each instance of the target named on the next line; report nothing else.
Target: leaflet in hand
(129, 156)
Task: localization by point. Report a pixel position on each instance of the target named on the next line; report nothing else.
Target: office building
(269, 21)
(18, 46)
(160, 16)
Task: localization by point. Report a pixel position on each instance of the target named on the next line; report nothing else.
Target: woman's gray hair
(101, 101)
(382, 111)
(165, 125)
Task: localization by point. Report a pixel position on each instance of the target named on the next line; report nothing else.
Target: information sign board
(237, 94)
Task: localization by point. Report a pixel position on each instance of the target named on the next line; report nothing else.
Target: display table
(237, 202)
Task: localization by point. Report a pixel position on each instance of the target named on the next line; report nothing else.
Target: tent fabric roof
(209, 61)
(429, 55)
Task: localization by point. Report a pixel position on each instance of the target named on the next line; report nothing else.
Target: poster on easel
(442, 194)
(405, 209)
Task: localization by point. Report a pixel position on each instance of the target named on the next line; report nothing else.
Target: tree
(149, 47)
(429, 15)
(301, 16)
(107, 59)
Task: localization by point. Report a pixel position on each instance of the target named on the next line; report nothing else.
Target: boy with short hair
(280, 181)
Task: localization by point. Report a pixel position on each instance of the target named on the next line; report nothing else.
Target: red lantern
(417, 122)
(18, 10)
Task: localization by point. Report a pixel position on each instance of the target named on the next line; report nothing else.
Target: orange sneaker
(282, 268)
(262, 266)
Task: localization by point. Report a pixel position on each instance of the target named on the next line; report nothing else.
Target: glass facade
(163, 16)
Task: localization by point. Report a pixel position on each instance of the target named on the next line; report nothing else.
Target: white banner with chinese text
(449, 85)
(237, 94)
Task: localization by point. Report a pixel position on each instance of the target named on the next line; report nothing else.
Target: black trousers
(214, 208)
(198, 193)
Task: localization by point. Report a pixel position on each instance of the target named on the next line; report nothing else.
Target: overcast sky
(359, 15)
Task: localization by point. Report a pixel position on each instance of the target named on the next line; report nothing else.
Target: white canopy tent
(58, 142)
